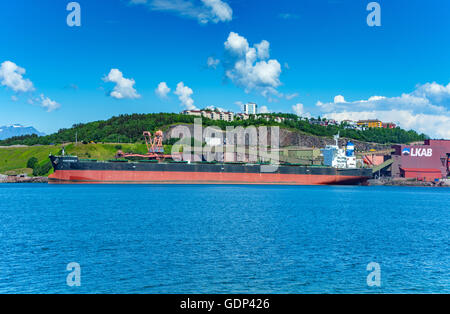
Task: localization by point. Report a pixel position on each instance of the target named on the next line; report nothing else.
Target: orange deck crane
(155, 148)
(154, 145)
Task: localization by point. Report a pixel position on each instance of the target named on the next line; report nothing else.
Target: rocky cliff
(299, 139)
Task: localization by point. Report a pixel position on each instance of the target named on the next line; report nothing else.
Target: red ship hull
(154, 177)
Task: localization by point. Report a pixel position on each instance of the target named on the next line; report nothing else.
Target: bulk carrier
(339, 169)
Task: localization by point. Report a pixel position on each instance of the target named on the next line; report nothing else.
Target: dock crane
(155, 148)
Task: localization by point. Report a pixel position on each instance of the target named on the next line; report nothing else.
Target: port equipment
(382, 166)
(448, 164)
(155, 148)
(154, 145)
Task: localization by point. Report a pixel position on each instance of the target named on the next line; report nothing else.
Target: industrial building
(427, 162)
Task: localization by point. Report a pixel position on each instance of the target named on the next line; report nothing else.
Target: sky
(308, 57)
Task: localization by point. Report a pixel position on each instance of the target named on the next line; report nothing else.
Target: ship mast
(336, 138)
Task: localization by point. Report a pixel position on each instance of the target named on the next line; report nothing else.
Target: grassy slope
(101, 151)
(14, 160)
(17, 157)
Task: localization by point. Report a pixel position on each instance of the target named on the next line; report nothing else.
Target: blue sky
(312, 51)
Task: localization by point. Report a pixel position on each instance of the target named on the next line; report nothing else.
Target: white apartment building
(227, 116)
(213, 115)
(250, 108)
(242, 116)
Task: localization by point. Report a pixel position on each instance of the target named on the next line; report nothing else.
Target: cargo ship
(339, 169)
(69, 169)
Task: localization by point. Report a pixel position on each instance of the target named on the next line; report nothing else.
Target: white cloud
(339, 99)
(204, 11)
(12, 76)
(48, 104)
(263, 50)
(44, 102)
(426, 109)
(299, 110)
(263, 109)
(124, 87)
(291, 96)
(212, 62)
(249, 68)
(436, 126)
(435, 92)
(213, 108)
(240, 104)
(163, 90)
(220, 10)
(237, 44)
(433, 89)
(375, 98)
(184, 93)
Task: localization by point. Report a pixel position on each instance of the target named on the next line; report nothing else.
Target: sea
(223, 239)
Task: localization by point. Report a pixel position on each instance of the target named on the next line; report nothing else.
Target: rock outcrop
(22, 179)
(299, 139)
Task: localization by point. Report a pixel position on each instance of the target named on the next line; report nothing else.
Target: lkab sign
(417, 152)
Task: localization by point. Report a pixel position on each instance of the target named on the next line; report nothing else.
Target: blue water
(223, 239)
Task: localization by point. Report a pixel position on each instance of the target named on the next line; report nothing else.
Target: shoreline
(372, 182)
(22, 179)
(403, 182)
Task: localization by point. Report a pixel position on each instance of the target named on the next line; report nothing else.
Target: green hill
(14, 160)
(129, 128)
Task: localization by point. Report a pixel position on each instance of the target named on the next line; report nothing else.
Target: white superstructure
(336, 157)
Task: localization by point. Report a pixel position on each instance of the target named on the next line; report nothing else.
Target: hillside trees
(129, 128)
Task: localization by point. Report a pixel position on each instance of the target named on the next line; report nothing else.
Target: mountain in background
(17, 130)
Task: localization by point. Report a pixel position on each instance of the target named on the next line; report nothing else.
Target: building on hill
(389, 125)
(250, 108)
(370, 124)
(350, 125)
(226, 116)
(197, 113)
(268, 117)
(242, 116)
(211, 114)
(323, 122)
